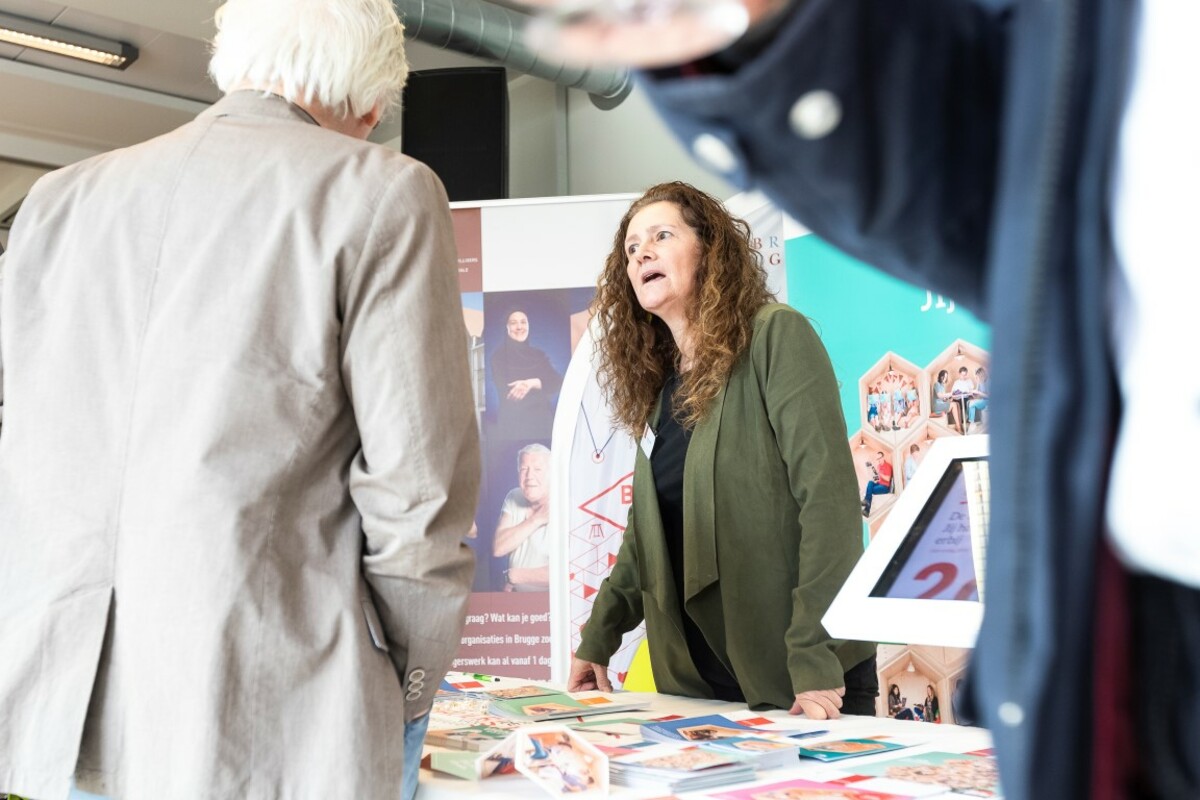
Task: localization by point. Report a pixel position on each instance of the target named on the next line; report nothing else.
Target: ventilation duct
(496, 33)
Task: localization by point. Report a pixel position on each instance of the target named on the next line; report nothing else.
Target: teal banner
(912, 367)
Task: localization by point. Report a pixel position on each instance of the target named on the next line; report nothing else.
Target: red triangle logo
(616, 487)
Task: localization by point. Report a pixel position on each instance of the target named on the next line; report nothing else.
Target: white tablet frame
(855, 614)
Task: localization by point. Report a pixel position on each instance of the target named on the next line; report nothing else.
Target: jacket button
(417, 674)
(1011, 714)
(715, 153)
(815, 114)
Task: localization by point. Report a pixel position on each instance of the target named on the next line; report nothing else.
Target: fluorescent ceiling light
(61, 41)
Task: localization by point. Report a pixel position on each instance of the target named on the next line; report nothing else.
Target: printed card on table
(560, 762)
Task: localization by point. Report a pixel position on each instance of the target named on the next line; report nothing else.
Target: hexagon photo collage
(903, 409)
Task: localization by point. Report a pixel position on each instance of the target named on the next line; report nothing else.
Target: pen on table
(479, 677)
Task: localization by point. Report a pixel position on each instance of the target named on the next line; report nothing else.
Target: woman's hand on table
(586, 676)
(819, 703)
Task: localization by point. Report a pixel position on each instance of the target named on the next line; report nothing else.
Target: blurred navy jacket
(967, 147)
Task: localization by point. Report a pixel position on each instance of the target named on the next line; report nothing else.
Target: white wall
(627, 149)
(536, 148)
(560, 143)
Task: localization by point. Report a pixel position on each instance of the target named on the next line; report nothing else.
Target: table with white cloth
(933, 738)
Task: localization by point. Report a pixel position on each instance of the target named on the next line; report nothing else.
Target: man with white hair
(238, 457)
(524, 517)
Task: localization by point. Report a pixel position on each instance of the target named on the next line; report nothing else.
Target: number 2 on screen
(948, 574)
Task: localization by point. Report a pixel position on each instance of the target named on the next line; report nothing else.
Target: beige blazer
(237, 461)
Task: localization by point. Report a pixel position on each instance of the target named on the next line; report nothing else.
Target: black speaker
(456, 121)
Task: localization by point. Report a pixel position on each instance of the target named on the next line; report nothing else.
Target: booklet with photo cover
(972, 774)
(710, 727)
(838, 749)
(475, 766)
(476, 738)
(563, 705)
(675, 759)
(765, 751)
(678, 768)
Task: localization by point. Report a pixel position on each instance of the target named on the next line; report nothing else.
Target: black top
(666, 464)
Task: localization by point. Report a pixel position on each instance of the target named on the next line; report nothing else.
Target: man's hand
(819, 703)
(586, 676)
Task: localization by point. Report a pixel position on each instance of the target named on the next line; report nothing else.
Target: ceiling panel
(32, 9)
(106, 27)
(80, 116)
(190, 18)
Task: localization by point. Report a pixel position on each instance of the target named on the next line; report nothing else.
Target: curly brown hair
(637, 350)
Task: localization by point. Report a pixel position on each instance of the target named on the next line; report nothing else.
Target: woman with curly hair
(745, 520)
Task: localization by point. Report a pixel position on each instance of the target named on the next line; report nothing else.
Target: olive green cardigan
(771, 530)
